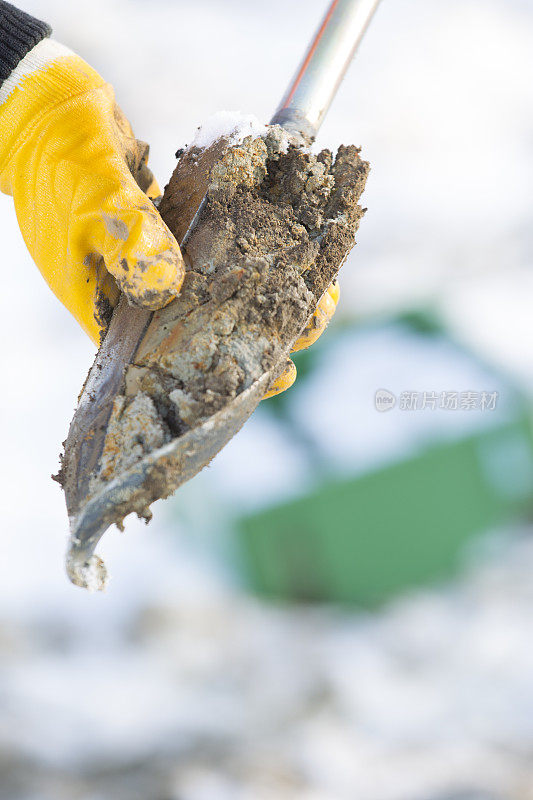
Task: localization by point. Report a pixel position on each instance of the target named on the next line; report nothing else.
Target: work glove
(315, 328)
(81, 188)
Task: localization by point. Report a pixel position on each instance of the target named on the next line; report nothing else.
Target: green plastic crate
(365, 539)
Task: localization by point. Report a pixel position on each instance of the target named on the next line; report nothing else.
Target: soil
(274, 225)
(273, 233)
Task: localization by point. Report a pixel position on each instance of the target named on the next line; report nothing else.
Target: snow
(233, 125)
(235, 697)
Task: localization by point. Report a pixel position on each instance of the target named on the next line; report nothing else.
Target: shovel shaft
(317, 79)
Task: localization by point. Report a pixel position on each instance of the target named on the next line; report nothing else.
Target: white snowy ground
(193, 692)
(172, 685)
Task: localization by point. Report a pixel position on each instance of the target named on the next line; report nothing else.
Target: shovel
(95, 498)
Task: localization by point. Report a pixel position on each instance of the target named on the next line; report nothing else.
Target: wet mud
(276, 224)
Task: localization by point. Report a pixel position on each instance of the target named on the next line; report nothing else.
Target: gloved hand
(316, 327)
(81, 188)
(70, 159)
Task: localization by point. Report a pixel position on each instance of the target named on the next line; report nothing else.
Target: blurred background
(340, 606)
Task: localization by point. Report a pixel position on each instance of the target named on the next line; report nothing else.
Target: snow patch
(232, 124)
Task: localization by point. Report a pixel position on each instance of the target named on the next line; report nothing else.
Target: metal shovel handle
(323, 67)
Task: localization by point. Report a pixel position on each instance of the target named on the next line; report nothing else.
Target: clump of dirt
(275, 227)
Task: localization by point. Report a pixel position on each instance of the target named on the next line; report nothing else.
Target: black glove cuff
(19, 33)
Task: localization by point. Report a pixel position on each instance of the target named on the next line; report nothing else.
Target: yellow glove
(316, 327)
(68, 157)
